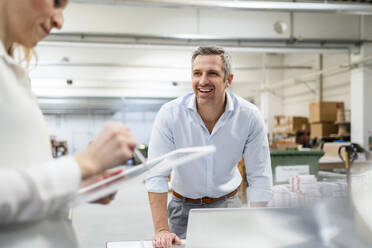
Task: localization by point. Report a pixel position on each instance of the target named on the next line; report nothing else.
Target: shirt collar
(229, 104)
(192, 103)
(5, 55)
(228, 108)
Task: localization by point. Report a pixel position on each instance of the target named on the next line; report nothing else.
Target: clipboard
(145, 170)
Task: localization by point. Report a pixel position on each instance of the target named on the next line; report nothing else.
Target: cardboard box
(322, 129)
(290, 124)
(297, 123)
(283, 120)
(283, 146)
(324, 111)
(277, 119)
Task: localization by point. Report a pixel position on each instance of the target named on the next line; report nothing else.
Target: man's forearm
(158, 204)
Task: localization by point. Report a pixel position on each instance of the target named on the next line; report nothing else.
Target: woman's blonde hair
(25, 54)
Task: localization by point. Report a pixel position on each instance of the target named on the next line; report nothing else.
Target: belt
(205, 200)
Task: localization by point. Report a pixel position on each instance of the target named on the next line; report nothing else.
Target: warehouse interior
(307, 66)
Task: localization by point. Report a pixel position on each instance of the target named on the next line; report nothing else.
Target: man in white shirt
(208, 116)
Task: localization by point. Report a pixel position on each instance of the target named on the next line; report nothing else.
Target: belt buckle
(202, 202)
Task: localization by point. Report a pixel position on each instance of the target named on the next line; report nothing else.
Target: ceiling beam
(192, 41)
(364, 9)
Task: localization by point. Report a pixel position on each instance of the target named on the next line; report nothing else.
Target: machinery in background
(59, 148)
(135, 160)
(349, 155)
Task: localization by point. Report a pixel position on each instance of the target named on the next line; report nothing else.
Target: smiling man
(208, 116)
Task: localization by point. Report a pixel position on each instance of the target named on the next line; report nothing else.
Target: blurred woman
(35, 189)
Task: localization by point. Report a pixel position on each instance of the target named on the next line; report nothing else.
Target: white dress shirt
(34, 188)
(239, 132)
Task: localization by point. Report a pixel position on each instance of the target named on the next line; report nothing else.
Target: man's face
(208, 79)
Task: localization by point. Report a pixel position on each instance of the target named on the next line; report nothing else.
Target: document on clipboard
(145, 170)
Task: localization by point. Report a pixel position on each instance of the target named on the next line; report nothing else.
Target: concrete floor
(128, 217)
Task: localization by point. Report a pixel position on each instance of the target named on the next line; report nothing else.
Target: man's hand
(165, 239)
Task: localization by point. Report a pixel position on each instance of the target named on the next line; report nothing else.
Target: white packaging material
(305, 191)
(281, 196)
(332, 189)
(303, 183)
(284, 172)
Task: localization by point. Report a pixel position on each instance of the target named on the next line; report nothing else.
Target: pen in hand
(139, 155)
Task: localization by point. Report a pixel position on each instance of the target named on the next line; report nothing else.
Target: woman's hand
(109, 173)
(113, 146)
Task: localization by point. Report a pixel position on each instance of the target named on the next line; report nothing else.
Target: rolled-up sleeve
(257, 161)
(161, 142)
(38, 191)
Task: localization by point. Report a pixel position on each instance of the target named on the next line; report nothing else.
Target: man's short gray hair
(214, 50)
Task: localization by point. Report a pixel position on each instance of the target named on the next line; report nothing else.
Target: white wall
(146, 71)
(299, 94)
(150, 73)
(337, 86)
(367, 22)
(235, 23)
(106, 71)
(79, 130)
(126, 19)
(171, 21)
(174, 63)
(220, 22)
(361, 101)
(270, 101)
(328, 26)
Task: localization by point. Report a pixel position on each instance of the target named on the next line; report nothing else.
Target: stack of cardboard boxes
(322, 118)
(285, 128)
(290, 124)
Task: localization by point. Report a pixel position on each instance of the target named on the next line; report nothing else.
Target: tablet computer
(165, 162)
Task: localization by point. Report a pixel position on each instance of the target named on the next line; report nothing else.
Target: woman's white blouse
(34, 188)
